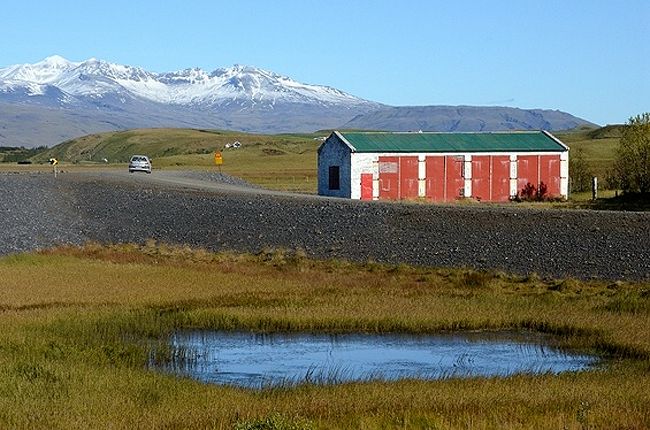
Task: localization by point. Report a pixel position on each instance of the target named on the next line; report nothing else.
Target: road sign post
(218, 159)
(54, 162)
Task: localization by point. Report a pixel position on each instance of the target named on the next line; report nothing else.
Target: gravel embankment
(38, 211)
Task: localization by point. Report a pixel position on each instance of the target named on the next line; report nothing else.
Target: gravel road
(223, 213)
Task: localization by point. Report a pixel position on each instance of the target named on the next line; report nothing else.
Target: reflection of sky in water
(254, 360)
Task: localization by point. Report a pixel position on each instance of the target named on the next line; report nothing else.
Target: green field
(598, 146)
(80, 325)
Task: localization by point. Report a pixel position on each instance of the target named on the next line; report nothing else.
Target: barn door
(527, 171)
(389, 178)
(408, 176)
(435, 182)
(481, 189)
(366, 186)
(455, 180)
(549, 173)
(500, 178)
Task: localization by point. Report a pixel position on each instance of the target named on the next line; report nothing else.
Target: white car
(140, 163)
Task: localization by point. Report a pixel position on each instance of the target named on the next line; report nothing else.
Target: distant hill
(464, 118)
(55, 99)
(158, 143)
(612, 131)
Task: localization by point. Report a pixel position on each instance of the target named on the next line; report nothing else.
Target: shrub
(579, 172)
(632, 167)
(532, 193)
(274, 422)
(528, 192)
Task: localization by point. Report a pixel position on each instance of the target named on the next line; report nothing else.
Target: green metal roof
(528, 141)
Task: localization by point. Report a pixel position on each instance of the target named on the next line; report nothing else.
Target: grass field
(81, 325)
(598, 146)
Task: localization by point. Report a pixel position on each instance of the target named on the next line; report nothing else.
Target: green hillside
(117, 147)
(609, 131)
(286, 162)
(598, 146)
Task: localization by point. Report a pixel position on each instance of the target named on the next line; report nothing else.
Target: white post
(422, 176)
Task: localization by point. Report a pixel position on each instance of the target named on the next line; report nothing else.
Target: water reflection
(259, 360)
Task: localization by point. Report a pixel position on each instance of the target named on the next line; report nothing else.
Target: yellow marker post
(54, 162)
(218, 159)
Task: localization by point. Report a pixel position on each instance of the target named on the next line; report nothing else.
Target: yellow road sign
(218, 158)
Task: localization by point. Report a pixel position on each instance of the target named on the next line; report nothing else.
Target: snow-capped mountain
(239, 86)
(55, 99)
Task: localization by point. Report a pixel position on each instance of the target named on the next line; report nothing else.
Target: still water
(265, 360)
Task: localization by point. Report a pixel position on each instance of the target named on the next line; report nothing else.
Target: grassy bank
(80, 327)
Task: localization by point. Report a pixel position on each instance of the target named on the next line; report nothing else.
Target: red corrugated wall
(366, 186)
(549, 173)
(481, 189)
(527, 171)
(455, 179)
(408, 175)
(389, 178)
(491, 177)
(435, 181)
(500, 178)
(398, 176)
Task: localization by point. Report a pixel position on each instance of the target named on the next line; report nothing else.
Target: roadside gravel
(38, 211)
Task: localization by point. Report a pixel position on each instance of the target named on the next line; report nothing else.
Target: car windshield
(138, 159)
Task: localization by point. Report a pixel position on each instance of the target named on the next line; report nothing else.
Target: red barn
(441, 167)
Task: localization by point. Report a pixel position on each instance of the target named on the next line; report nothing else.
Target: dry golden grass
(79, 325)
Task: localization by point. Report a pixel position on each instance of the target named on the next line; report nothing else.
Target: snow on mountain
(240, 86)
(55, 99)
(43, 72)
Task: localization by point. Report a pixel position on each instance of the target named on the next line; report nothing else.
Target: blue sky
(590, 58)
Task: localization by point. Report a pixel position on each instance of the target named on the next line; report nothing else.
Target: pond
(265, 360)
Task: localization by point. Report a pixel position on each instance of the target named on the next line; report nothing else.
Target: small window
(334, 179)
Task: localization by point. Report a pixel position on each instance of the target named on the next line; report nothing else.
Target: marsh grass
(81, 328)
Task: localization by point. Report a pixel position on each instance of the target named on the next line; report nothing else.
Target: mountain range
(55, 99)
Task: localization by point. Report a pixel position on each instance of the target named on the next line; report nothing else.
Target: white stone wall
(363, 163)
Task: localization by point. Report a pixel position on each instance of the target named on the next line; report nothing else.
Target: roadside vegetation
(632, 167)
(81, 327)
(19, 154)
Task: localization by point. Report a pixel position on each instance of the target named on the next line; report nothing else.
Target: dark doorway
(334, 178)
